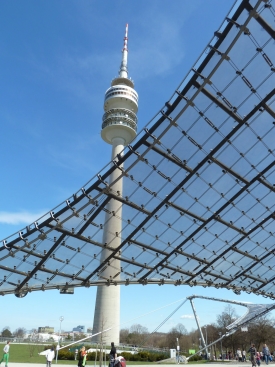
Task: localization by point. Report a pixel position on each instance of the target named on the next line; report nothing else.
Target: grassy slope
(20, 353)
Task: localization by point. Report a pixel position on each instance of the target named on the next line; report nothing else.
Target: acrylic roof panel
(198, 185)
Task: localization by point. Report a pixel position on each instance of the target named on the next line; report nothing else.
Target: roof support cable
(188, 101)
(91, 200)
(123, 172)
(102, 181)
(162, 323)
(55, 219)
(72, 209)
(136, 153)
(24, 239)
(6, 246)
(37, 227)
(172, 122)
(156, 140)
(223, 55)
(207, 80)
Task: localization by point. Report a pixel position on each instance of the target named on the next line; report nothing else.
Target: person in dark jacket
(113, 355)
(252, 350)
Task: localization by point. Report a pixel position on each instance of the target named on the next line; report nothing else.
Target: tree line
(18, 333)
(260, 331)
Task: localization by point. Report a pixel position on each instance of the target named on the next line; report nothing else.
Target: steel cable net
(253, 312)
(198, 185)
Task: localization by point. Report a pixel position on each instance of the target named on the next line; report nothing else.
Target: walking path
(216, 364)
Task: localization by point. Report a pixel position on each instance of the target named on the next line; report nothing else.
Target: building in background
(45, 329)
(79, 328)
(46, 337)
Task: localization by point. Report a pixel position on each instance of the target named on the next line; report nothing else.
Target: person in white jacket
(6, 354)
(50, 357)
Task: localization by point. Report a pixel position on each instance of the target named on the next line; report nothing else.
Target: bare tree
(20, 332)
(226, 317)
(138, 329)
(178, 332)
(124, 333)
(33, 338)
(102, 342)
(262, 331)
(137, 334)
(233, 341)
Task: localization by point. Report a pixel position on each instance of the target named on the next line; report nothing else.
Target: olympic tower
(118, 129)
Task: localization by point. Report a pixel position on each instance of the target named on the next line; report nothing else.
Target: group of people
(50, 356)
(83, 356)
(241, 355)
(256, 357)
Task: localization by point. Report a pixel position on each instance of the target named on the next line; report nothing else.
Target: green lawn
(21, 353)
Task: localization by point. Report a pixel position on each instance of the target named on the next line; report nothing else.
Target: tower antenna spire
(123, 72)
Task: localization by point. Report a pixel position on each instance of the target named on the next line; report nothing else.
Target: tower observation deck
(118, 129)
(120, 105)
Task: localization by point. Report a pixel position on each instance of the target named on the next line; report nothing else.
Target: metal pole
(206, 349)
(220, 334)
(58, 346)
(96, 354)
(197, 321)
(178, 351)
(203, 348)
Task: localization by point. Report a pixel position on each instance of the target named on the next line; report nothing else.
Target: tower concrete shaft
(107, 310)
(119, 127)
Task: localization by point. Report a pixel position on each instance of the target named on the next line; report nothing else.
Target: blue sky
(57, 60)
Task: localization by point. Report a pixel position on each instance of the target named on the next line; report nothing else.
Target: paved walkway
(216, 364)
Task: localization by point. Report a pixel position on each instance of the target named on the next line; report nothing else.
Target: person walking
(252, 350)
(262, 356)
(266, 353)
(244, 355)
(50, 357)
(82, 357)
(113, 355)
(6, 354)
(239, 355)
(258, 358)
